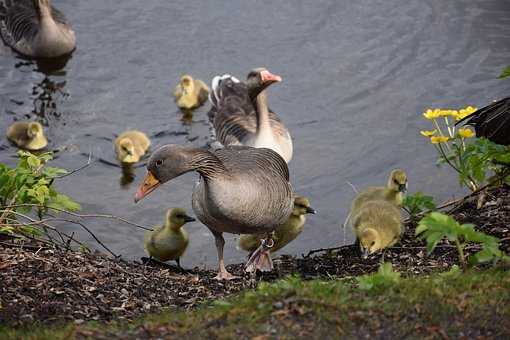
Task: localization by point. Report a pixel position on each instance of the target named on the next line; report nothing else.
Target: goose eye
(159, 162)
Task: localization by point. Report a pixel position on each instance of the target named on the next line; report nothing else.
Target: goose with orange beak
(242, 190)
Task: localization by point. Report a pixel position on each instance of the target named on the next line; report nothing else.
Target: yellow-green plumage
(190, 93)
(393, 192)
(285, 233)
(27, 135)
(168, 242)
(131, 145)
(377, 225)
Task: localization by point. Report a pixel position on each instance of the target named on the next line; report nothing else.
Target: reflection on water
(128, 175)
(356, 77)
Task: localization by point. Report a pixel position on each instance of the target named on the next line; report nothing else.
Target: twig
(352, 187)
(89, 162)
(313, 251)
(81, 215)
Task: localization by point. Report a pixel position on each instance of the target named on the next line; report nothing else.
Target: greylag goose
(240, 114)
(27, 135)
(35, 29)
(377, 226)
(168, 242)
(286, 232)
(190, 93)
(492, 121)
(131, 145)
(242, 190)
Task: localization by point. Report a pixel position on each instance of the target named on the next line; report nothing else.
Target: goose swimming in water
(241, 116)
(131, 145)
(35, 29)
(242, 190)
(27, 135)
(190, 93)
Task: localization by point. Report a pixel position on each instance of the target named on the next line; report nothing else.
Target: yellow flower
(428, 133)
(466, 133)
(439, 139)
(465, 112)
(432, 114)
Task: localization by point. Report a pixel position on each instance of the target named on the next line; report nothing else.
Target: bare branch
(89, 162)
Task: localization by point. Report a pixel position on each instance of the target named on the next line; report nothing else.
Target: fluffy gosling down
(168, 242)
(393, 192)
(377, 226)
(130, 146)
(190, 93)
(27, 135)
(285, 233)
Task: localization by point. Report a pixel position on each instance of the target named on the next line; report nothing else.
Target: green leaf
(61, 201)
(505, 73)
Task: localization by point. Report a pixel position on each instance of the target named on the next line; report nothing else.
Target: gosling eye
(372, 244)
(179, 216)
(396, 182)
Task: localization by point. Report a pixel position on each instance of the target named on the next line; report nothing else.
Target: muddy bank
(52, 286)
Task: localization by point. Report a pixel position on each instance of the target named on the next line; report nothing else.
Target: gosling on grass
(285, 233)
(131, 145)
(27, 135)
(168, 242)
(190, 93)
(377, 226)
(393, 192)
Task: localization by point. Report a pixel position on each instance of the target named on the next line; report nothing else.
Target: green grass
(451, 304)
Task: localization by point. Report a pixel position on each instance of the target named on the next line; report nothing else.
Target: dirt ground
(52, 286)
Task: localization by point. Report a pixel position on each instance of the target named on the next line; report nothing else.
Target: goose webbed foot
(223, 274)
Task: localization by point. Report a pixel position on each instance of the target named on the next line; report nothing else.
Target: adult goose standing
(35, 29)
(491, 121)
(240, 114)
(241, 190)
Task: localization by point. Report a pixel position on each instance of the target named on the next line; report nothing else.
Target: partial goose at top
(240, 114)
(35, 29)
(242, 190)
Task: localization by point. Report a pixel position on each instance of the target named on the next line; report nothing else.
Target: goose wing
(492, 121)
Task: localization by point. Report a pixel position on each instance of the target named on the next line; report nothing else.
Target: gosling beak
(402, 188)
(310, 210)
(188, 219)
(267, 76)
(364, 253)
(150, 183)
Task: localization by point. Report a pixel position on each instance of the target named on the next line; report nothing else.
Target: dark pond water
(357, 75)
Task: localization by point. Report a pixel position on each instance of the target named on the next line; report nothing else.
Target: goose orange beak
(150, 183)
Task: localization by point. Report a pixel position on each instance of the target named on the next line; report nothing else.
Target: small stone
(124, 291)
(79, 321)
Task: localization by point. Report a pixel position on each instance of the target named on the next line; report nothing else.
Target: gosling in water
(27, 135)
(377, 226)
(190, 93)
(131, 145)
(168, 242)
(285, 233)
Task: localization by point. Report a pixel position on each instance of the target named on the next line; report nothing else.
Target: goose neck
(207, 164)
(262, 111)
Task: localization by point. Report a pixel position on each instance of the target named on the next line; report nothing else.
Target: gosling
(393, 192)
(130, 146)
(190, 93)
(168, 242)
(285, 233)
(27, 135)
(377, 226)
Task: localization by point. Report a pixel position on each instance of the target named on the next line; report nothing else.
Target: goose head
(370, 242)
(36, 134)
(187, 84)
(398, 181)
(259, 79)
(176, 218)
(126, 151)
(302, 206)
(167, 162)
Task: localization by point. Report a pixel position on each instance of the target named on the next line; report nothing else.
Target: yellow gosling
(130, 146)
(393, 192)
(285, 233)
(377, 226)
(190, 93)
(168, 242)
(27, 135)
